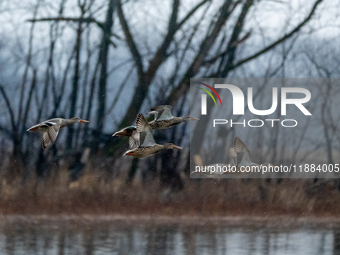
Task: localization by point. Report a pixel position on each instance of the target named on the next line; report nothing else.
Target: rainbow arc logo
(204, 97)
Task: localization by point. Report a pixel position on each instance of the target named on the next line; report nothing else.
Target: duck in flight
(50, 128)
(164, 119)
(242, 150)
(217, 174)
(146, 143)
(238, 151)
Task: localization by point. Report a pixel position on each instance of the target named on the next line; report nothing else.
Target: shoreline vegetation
(282, 222)
(95, 194)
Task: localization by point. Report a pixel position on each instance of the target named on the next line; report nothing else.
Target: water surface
(134, 237)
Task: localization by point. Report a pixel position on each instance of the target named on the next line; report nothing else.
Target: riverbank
(93, 195)
(281, 222)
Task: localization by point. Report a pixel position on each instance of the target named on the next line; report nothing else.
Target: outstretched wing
(232, 155)
(243, 153)
(50, 135)
(133, 143)
(145, 132)
(44, 126)
(155, 114)
(164, 112)
(239, 146)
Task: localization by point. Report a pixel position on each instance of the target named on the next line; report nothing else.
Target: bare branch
(206, 45)
(28, 63)
(28, 103)
(120, 90)
(9, 107)
(130, 41)
(282, 39)
(232, 45)
(235, 43)
(104, 55)
(161, 55)
(190, 13)
(6, 131)
(77, 20)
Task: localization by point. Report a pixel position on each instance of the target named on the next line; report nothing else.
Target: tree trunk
(103, 59)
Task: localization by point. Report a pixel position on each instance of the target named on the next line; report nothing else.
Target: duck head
(125, 131)
(129, 153)
(78, 120)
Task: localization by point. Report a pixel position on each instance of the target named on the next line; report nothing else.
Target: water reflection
(34, 237)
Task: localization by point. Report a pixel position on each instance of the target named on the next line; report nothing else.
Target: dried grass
(94, 193)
